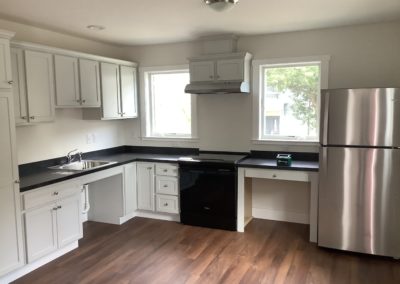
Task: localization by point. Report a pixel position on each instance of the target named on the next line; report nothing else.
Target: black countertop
(38, 174)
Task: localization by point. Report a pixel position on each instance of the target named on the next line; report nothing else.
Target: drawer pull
(10, 82)
(274, 175)
(165, 170)
(59, 207)
(54, 208)
(17, 181)
(165, 204)
(149, 168)
(55, 193)
(165, 185)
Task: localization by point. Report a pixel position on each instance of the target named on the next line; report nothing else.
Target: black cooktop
(212, 158)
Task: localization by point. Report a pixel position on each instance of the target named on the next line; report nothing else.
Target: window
(169, 110)
(288, 95)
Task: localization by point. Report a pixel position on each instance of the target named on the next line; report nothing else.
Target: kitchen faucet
(71, 154)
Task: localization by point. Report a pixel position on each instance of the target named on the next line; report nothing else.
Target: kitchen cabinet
(67, 81)
(220, 67)
(158, 187)
(52, 218)
(110, 86)
(128, 91)
(11, 245)
(145, 186)
(19, 86)
(89, 82)
(201, 71)
(5, 63)
(39, 75)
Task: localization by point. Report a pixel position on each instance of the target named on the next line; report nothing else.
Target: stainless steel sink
(83, 165)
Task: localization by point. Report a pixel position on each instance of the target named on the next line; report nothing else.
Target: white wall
(361, 56)
(50, 140)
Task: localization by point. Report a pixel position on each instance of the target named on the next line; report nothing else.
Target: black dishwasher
(208, 194)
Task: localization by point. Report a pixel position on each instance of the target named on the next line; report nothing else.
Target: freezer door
(359, 200)
(366, 117)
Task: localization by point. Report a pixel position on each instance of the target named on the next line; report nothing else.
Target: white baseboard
(12, 276)
(276, 215)
(152, 215)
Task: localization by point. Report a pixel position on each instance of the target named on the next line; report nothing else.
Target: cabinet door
(128, 91)
(5, 65)
(39, 85)
(11, 248)
(110, 90)
(67, 81)
(69, 225)
(41, 231)
(145, 186)
(19, 89)
(130, 192)
(230, 69)
(201, 71)
(90, 82)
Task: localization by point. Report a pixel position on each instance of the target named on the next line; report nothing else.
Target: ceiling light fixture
(221, 5)
(95, 27)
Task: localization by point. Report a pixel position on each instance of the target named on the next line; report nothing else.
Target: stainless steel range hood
(218, 88)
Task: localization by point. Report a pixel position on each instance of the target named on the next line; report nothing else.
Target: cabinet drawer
(167, 203)
(48, 194)
(167, 170)
(167, 185)
(277, 174)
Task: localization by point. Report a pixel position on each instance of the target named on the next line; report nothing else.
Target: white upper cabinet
(5, 64)
(11, 247)
(128, 91)
(67, 81)
(110, 86)
(220, 67)
(39, 85)
(89, 82)
(201, 71)
(230, 69)
(19, 87)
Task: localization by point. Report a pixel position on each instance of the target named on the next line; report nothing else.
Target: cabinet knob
(217, 76)
(149, 168)
(55, 193)
(165, 170)
(274, 176)
(165, 185)
(24, 117)
(211, 77)
(59, 207)
(78, 101)
(31, 117)
(165, 204)
(54, 208)
(17, 181)
(83, 101)
(10, 82)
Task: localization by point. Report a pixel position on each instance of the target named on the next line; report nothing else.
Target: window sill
(171, 139)
(285, 142)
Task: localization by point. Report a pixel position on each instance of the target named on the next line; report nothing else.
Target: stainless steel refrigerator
(359, 189)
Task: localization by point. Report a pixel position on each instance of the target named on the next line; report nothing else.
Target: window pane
(291, 101)
(171, 105)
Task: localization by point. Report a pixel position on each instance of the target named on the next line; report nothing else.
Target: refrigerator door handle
(324, 115)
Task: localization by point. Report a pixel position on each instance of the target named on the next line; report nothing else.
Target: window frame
(259, 67)
(147, 103)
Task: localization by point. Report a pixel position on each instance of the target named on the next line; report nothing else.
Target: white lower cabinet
(52, 224)
(157, 187)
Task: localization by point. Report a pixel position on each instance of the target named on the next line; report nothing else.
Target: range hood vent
(218, 88)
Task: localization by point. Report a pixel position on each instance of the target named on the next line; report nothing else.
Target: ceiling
(138, 22)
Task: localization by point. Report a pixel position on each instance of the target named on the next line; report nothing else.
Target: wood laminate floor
(152, 251)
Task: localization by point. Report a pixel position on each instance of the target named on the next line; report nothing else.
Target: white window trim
(322, 60)
(146, 104)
